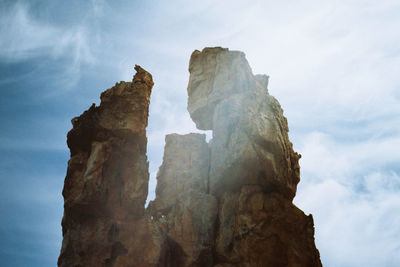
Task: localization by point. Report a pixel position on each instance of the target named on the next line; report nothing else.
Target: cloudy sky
(333, 65)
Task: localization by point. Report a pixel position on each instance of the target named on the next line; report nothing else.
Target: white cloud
(353, 228)
(354, 197)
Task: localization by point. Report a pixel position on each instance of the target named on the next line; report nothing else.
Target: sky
(334, 66)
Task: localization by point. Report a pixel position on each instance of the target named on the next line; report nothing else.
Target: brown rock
(215, 74)
(106, 184)
(226, 203)
(253, 169)
(184, 169)
(250, 134)
(264, 229)
(183, 206)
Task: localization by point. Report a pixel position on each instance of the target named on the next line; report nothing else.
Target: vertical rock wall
(183, 205)
(107, 178)
(223, 203)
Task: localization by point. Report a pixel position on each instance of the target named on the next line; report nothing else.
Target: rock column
(107, 178)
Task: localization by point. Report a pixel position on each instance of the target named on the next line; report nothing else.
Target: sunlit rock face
(223, 203)
(215, 74)
(253, 169)
(250, 143)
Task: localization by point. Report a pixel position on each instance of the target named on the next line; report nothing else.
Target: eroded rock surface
(183, 205)
(223, 203)
(250, 134)
(107, 178)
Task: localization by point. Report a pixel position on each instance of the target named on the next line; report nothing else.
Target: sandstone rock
(250, 134)
(106, 184)
(215, 74)
(264, 229)
(253, 169)
(183, 205)
(226, 203)
(184, 169)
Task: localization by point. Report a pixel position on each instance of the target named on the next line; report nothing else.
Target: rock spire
(223, 203)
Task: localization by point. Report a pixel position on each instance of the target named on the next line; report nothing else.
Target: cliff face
(106, 184)
(223, 203)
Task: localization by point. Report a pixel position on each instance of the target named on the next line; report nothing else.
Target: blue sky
(333, 65)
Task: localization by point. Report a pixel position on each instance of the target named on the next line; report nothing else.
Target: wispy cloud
(24, 37)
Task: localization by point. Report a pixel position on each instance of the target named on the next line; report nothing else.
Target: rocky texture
(225, 203)
(250, 134)
(182, 205)
(107, 178)
(263, 229)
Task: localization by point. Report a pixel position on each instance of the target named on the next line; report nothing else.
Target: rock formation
(223, 203)
(107, 178)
